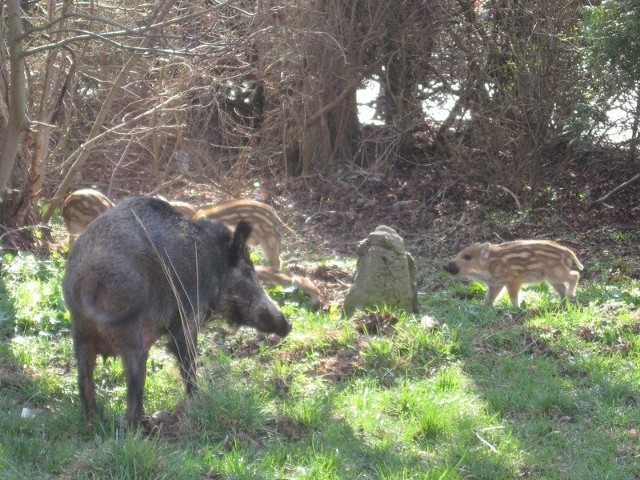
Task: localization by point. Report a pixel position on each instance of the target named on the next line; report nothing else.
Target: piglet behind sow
(142, 270)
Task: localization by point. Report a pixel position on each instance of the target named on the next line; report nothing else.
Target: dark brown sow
(142, 270)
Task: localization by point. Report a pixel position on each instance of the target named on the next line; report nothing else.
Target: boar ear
(239, 242)
(484, 251)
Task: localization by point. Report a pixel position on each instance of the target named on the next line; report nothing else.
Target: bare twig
(115, 169)
(20, 229)
(513, 195)
(491, 447)
(603, 198)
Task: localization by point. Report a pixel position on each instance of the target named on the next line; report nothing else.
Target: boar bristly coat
(142, 270)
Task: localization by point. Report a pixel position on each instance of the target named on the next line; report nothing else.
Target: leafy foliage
(34, 293)
(612, 30)
(611, 58)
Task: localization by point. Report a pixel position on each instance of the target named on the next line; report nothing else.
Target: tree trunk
(343, 122)
(401, 107)
(332, 129)
(313, 112)
(16, 124)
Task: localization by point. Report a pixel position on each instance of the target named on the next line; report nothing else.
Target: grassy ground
(462, 391)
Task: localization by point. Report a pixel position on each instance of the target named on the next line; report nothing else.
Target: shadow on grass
(570, 399)
(248, 431)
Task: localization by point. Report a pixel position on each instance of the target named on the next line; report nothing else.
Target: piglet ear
(239, 242)
(484, 251)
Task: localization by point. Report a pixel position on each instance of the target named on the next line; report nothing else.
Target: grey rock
(385, 275)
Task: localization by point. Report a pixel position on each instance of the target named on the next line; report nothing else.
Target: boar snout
(264, 316)
(452, 268)
(275, 322)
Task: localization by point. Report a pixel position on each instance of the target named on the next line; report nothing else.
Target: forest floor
(435, 213)
(437, 216)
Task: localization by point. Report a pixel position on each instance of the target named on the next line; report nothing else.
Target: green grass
(546, 391)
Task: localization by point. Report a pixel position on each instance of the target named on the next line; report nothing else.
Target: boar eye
(467, 257)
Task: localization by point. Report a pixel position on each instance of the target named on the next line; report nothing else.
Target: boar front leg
(493, 290)
(183, 347)
(560, 288)
(514, 293)
(569, 293)
(574, 277)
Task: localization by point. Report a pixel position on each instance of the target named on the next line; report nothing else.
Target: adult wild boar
(142, 270)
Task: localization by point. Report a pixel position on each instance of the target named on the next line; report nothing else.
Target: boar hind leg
(184, 349)
(86, 358)
(493, 290)
(135, 373)
(134, 357)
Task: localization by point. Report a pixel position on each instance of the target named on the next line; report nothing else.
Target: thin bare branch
(82, 35)
(619, 187)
